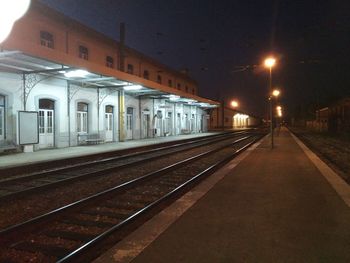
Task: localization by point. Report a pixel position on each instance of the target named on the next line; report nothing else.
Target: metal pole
(271, 115)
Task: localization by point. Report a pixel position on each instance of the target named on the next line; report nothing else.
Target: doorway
(129, 123)
(109, 123)
(46, 123)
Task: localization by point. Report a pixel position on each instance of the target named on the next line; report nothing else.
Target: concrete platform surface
(272, 205)
(18, 159)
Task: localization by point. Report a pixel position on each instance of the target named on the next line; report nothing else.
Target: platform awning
(21, 63)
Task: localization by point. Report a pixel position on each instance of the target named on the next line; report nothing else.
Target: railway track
(69, 233)
(18, 171)
(44, 180)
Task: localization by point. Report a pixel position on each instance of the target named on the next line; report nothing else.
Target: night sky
(223, 43)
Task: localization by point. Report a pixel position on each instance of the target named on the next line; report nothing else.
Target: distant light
(10, 12)
(79, 73)
(234, 104)
(240, 116)
(276, 92)
(132, 87)
(279, 111)
(270, 62)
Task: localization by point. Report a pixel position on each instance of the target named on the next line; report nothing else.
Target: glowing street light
(279, 111)
(234, 104)
(269, 63)
(276, 93)
(11, 10)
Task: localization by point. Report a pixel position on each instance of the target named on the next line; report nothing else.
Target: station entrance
(109, 123)
(46, 123)
(145, 124)
(2, 118)
(129, 123)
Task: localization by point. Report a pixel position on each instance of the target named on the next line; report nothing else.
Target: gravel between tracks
(23, 209)
(332, 149)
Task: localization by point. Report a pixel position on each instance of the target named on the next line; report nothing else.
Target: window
(146, 74)
(109, 62)
(83, 52)
(46, 39)
(82, 117)
(159, 79)
(130, 69)
(186, 88)
(178, 86)
(192, 90)
(170, 83)
(46, 104)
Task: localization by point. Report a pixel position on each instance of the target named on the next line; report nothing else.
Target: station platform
(268, 205)
(18, 159)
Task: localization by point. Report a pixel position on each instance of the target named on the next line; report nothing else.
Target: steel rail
(71, 162)
(90, 244)
(73, 178)
(114, 158)
(118, 188)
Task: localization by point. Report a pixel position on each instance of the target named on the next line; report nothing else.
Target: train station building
(228, 118)
(63, 84)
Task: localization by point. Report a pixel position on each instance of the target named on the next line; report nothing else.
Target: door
(169, 124)
(159, 124)
(129, 123)
(145, 124)
(46, 137)
(178, 123)
(2, 118)
(187, 123)
(109, 123)
(2, 123)
(46, 123)
(193, 123)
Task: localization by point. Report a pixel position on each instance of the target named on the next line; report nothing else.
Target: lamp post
(269, 63)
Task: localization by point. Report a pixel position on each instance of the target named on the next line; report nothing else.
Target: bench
(89, 139)
(185, 131)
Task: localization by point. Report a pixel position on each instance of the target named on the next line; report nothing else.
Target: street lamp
(276, 93)
(234, 103)
(269, 63)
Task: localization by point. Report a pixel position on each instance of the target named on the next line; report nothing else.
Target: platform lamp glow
(11, 10)
(269, 63)
(234, 104)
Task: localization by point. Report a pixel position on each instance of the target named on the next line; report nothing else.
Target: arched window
(46, 104)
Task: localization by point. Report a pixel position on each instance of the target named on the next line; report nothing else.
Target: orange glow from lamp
(234, 103)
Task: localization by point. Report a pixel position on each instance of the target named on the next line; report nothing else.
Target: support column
(68, 112)
(121, 109)
(98, 110)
